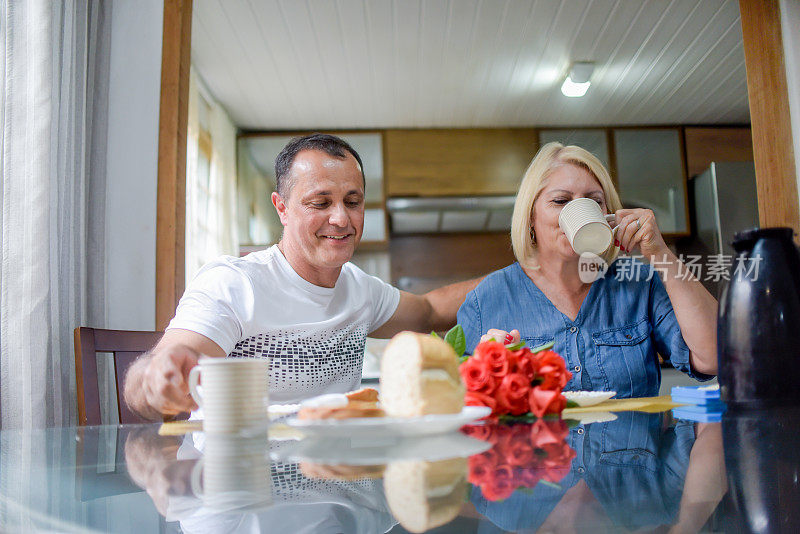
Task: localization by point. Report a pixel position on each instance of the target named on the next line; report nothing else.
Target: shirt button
(581, 470)
(577, 368)
(573, 329)
(580, 431)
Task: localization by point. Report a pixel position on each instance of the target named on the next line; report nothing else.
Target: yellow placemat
(178, 428)
(642, 404)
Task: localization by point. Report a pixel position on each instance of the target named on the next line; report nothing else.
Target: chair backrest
(125, 346)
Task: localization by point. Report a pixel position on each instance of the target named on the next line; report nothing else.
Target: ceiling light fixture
(577, 82)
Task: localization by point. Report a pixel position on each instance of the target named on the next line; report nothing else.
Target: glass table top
(632, 472)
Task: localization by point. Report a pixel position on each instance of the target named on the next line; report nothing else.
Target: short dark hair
(330, 144)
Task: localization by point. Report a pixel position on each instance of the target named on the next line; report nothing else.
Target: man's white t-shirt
(259, 307)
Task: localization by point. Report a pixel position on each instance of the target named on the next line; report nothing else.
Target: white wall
(790, 22)
(132, 163)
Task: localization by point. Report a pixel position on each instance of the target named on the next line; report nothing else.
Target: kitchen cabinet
(650, 173)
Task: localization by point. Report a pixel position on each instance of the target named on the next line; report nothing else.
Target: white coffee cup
(585, 226)
(235, 472)
(234, 393)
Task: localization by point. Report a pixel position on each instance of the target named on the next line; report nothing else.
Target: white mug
(234, 393)
(585, 226)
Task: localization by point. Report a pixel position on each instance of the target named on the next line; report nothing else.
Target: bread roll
(425, 495)
(419, 376)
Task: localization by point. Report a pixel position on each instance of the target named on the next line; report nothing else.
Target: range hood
(415, 215)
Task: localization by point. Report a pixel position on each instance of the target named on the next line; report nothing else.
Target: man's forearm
(445, 302)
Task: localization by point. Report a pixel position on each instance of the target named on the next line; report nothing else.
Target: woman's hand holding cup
(638, 228)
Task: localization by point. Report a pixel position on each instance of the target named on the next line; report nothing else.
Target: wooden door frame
(768, 94)
(173, 119)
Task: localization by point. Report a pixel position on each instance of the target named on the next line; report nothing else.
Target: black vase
(758, 334)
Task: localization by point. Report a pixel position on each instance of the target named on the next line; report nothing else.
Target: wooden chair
(126, 346)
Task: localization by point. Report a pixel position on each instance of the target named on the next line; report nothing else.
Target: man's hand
(165, 382)
(157, 384)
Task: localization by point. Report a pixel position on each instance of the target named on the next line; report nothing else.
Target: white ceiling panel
(335, 64)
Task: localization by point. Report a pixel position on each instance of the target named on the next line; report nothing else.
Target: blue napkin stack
(703, 403)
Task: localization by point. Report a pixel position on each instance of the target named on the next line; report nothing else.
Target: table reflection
(626, 473)
(762, 455)
(638, 472)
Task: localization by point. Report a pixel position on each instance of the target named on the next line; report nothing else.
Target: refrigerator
(725, 202)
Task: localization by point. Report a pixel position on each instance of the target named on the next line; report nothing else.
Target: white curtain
(211, 229)
(54, 90)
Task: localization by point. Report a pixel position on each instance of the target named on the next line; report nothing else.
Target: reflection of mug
(234, 392)
(235, 472)
(585, 226)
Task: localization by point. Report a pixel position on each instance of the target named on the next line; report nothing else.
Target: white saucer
(588, 398)
(390, 426)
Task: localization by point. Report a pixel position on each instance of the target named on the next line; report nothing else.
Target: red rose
(552, 369)
(529, 477)
(475, 398)
(546, 432)
(546, 401)
(480, 465)
(525, 365)
(512, 394)
(477, 376)
(494, 354)
(558, 455)
(557, 461)
(500, 484)
(481, 432)
(517, 452)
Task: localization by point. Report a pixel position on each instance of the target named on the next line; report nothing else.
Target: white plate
(592, 417)
(390, 426)
(377, 450)
(588, 398)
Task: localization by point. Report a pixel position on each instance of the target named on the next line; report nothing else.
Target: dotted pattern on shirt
(290, 484)
(300, 360)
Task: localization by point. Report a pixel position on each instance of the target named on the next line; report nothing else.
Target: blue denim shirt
(611, 345)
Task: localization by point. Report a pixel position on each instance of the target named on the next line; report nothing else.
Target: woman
(608, 331)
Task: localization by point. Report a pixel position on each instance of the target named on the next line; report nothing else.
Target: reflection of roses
(477, 376)
(521, 456)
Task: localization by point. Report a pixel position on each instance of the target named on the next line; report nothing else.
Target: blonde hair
(548, 159)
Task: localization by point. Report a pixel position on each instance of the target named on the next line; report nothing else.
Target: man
(299, 303)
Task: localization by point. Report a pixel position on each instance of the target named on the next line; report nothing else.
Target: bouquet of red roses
(521, 456)
(515, 380)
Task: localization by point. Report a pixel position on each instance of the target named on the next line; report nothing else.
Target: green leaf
(434, 334)
(572, 404)
(456, 338)
(540, 348)
(516, 346)
(464, 358)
